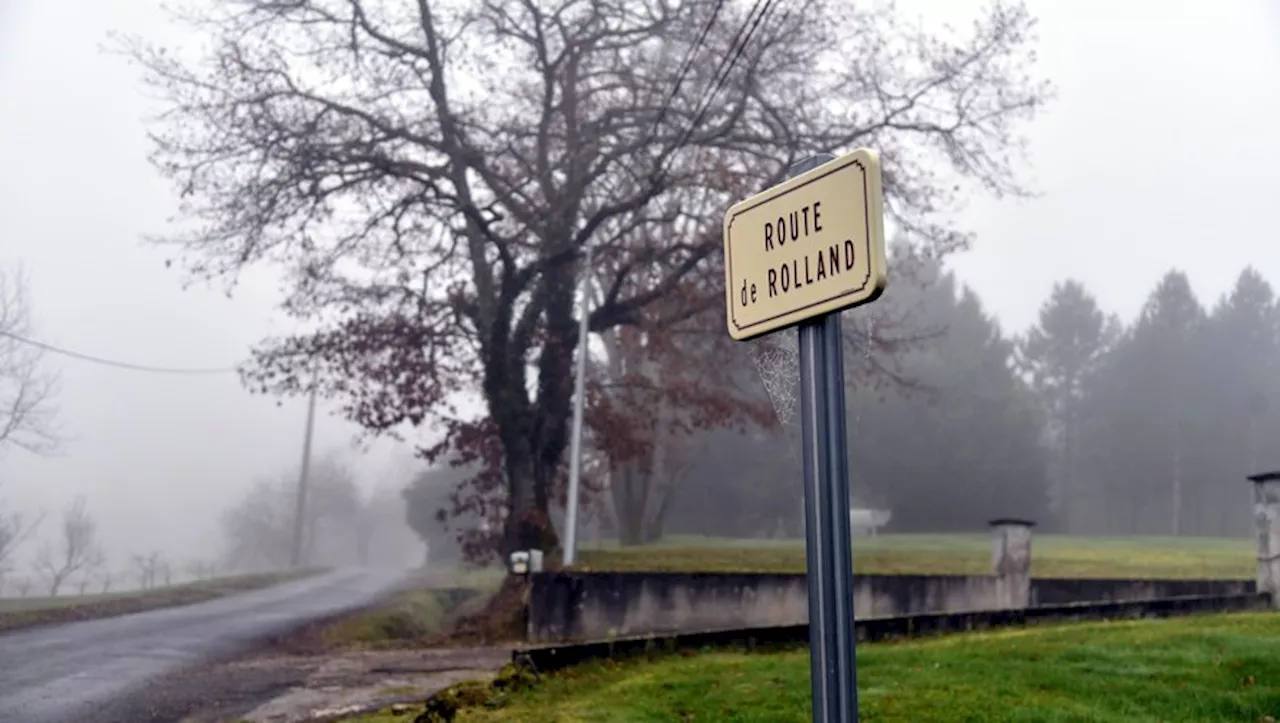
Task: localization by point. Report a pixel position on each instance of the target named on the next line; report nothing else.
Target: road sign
(799, 253)
(809, 246)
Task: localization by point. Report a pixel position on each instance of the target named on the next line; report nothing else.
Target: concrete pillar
(1266, 516)
(1011, 562)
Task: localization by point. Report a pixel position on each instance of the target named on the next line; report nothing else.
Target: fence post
(1011, 562)
(1266, 516)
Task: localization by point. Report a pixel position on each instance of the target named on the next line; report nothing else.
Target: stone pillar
(1266, 516)
(1011, 562)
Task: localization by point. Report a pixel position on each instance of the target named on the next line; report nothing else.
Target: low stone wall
(1059, 591)
(548, 658)
(587, 606)
(598, 606)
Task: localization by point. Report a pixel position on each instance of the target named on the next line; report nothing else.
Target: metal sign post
(801, 252)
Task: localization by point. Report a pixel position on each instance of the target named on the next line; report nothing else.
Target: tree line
(1153, 425)
(1084, 423)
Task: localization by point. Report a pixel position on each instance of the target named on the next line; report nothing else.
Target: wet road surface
(63, 672)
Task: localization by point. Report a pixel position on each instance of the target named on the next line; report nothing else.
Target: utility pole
(575, 440)
(299, 514)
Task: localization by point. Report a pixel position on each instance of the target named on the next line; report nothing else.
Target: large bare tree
(430, 174)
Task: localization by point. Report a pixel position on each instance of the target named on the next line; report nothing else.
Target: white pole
(300, 512)
(575, 441)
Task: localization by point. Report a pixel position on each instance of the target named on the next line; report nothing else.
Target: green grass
(409, 615)
(1197, 669)
(23, 612)
(414, 614)
(1051, 556)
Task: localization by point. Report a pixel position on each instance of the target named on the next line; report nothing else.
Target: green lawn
(1051, 556)
(1198, 669)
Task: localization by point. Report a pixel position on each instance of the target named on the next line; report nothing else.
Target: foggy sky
(1157, 152)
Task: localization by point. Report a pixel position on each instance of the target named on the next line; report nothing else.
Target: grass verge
(428, 610)
(1051, 556)
(1183, 670)
(18, 613)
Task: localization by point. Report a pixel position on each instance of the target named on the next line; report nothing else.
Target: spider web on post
(777, 360)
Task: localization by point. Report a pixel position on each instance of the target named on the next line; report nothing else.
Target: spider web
(777, 360)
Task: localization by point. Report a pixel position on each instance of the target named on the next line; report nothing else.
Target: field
(23, 612)
(1183, 670)
(1051, 556)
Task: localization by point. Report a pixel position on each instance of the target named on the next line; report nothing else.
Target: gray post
(300, 511)
(1266, 515)
(1011, 562)
(828, 539)
(575, 440)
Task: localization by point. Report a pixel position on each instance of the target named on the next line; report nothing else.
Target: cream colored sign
(809, 246)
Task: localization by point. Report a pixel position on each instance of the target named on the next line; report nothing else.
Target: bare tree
(431, 178)
(26, 400)
(74, 550)
(26, 387)
(149, 568)
(202, 569)
(14, 530)
(106, 578)
(258, 529)
(91, 571)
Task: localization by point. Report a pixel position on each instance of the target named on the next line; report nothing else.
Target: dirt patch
(323, 688)
(500, 618)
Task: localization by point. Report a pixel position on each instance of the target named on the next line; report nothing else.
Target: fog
(1157, 153)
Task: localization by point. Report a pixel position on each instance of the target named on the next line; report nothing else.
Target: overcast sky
(1159, 151)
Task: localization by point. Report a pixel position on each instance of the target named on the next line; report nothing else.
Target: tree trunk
(657, 521)
(630, 491)
(535, 435)
(660, 482)
(528, 522)
(1175, 506)
(1070, 486)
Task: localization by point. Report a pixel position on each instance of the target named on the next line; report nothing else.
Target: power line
(720, 75)
(686, 65)
(727, 64)
(112, 362)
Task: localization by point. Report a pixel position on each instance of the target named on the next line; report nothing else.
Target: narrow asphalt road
(63, 672)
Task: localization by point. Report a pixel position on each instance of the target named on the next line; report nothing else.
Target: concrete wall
(599, 606)
(549, 657)
(1061, 591)
(589, 606)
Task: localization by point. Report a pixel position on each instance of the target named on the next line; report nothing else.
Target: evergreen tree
(1058, 354)
(1145, 415)
(1242, 360)
(964, 445)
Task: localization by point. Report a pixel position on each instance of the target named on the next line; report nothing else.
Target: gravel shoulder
(295, 688)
